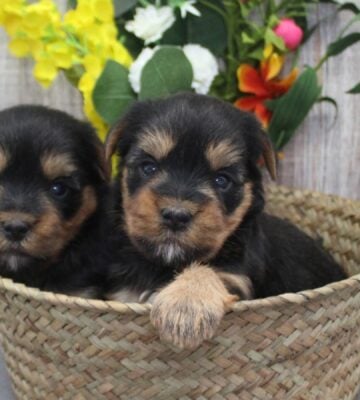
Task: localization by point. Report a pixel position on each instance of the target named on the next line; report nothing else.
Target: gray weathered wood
(322, 156)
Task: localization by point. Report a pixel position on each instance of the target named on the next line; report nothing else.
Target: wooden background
(323, 156)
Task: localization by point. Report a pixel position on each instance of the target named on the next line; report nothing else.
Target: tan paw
(189, 310)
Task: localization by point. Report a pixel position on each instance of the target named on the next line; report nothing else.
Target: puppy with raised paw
(53, 187)
(191, 232)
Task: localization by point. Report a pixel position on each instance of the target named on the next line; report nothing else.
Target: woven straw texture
(293, 346)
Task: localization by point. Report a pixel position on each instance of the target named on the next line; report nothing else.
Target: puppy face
(189, 175)
(50, 174)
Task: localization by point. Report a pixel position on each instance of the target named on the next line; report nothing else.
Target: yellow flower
(45, 72)
(104, 10)
(83, 40)
(19, 47)
(92, 65)
(94, 117)
(87, 83)
(61, 54)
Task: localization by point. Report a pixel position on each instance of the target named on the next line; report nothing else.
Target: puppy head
(51, 175)
(188, 175)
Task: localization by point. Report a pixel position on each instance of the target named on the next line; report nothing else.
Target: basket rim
(58, 299)
(128, 308)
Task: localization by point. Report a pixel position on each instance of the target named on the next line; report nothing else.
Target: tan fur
(269, 156)
(239, 283)
(57, 165)
(158, 144)
(4, 159)
(210, 226)
(222, 154)
(111, 142)
(50, 233)
(141, 212)
(189, 310)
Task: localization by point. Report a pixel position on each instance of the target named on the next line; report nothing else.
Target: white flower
(137, 67)
(185, 6)
(151, 22)
(188, 7)
(204, 65)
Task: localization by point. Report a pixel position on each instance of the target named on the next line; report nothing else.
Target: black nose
(176, 218)
(15, 230)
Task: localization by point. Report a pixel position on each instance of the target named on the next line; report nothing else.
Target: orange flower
(263, 84)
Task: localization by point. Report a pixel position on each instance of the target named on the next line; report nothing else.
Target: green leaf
(71, 4)
(113, 94)
(246, 38)
(341, 44)
(327, 99)
(273, 38)
(355, 89)
(257, 54)
(177, 34)
(290, 110)
(350, 7)
(122, 6)
(273, 20)
(167, 72)
(210, 30)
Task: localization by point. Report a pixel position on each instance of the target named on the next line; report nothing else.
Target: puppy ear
(103, 166)
(268, 154)
(111, 143)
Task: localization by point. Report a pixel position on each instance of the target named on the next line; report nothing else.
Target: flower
(45, 71)
(80, 43)
(290, 32)
(204, 65)
(263, 84)
(137, 67)
(185, 6)
(151, 22)
(188, 7)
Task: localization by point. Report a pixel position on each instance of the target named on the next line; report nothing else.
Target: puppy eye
(59, 189)
(222, 182)
(149, 168)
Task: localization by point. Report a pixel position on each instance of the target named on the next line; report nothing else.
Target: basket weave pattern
(293, 346)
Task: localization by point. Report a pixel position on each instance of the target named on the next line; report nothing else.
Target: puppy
(191, 226)
(53, 188)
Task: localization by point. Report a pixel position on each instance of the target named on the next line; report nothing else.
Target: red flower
(263, 85)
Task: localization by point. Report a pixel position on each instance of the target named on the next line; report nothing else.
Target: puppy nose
(176, 218)
(15, 230)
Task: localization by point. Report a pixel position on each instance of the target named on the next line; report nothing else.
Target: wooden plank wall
(323, 156)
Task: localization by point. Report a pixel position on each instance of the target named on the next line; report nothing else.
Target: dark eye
(59, 189)
(149, 168)
(222, 182)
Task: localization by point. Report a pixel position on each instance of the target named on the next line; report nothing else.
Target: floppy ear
(268, 154)
(111, 143)
(103, 167)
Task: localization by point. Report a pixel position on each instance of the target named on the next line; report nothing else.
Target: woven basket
(293, 346)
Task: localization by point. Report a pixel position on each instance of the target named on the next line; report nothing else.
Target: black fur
(26, 134)
(276, 255)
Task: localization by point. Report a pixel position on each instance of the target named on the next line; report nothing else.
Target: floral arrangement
(118, 51)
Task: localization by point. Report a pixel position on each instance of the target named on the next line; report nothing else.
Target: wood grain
(322, 156)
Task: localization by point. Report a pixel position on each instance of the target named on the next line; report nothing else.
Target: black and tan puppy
(52, 192)
(190, 217)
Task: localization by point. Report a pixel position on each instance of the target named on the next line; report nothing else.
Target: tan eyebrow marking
(4, 159)
(157, 143)
(222, 154)
(56, 165)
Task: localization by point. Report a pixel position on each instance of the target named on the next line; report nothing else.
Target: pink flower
(290, 32)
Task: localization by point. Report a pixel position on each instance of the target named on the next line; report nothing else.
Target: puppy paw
(189, 310)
